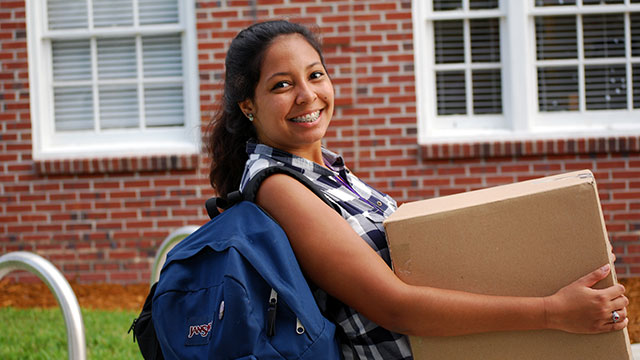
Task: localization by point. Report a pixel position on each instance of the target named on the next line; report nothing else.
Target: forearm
(425, 311)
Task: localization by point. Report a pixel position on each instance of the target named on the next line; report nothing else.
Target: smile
(308, 118)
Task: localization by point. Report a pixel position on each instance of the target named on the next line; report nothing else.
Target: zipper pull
(133, 328)
(271, 313)
(299, 327)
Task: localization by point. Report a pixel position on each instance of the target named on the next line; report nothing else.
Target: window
(505, 70)
(112, 77)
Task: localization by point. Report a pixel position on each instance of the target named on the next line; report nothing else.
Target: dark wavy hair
(230, 129)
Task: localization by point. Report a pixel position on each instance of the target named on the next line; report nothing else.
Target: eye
(281, 85)
(316, 75)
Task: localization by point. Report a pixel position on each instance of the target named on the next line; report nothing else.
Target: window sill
(536, 147)
(122, 164)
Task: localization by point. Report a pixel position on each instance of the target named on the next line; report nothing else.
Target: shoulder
(254, 165)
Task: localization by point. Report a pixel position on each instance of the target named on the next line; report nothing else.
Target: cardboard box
(524, 239)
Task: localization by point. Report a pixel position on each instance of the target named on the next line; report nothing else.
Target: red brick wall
(102, 219)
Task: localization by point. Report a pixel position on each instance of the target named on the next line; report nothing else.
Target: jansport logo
(202, 330)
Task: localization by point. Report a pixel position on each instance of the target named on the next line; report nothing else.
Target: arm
(336, 259)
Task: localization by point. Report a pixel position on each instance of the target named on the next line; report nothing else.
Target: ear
(246, 106)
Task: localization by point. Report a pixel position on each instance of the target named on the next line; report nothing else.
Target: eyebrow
(286, 73)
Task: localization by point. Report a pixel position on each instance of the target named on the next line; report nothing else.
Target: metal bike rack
(23, 260)
(168, 244)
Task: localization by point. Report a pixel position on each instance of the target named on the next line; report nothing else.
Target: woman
(277, 104)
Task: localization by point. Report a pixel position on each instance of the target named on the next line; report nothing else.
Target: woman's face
(293, 101)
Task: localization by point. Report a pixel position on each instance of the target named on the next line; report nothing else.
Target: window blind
(636, 88)
(487, 91)
(603, 41)
(556, 37)
(443, 5)
(558, 88)
(117, 58)
(126, 93)
(452, 94)
(449, 41)
(118, 106)
(606, 87)
(67, 14)
(483, 4)
(158, 11)
(107, 13)
(164, 105)
(73, 104)
(635, 34)
(162, 56)
(603, 35)
(555, 2)
(73, 108)
(485, 40)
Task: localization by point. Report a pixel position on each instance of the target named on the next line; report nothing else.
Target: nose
(306, 93)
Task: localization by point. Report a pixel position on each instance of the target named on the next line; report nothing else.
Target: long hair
(230, 129)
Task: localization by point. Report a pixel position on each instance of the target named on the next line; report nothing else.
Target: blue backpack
(233, 289)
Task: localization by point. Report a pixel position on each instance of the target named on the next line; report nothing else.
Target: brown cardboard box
(524, 239)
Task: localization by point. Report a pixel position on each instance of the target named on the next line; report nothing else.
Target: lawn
(40, 334)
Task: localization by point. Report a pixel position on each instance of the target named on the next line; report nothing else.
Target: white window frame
(49, 144)
(521, 119)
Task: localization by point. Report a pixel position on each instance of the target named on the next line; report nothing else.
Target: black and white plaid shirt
(364, 208)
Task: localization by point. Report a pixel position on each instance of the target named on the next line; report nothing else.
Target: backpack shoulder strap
(251, 190)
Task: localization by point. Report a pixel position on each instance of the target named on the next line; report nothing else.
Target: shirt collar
(332, 159)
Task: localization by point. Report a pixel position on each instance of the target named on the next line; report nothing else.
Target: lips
(307, 118)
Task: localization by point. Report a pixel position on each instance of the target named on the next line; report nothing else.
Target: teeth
(307, 118)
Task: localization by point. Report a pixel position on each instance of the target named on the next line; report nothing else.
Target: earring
(250, 117)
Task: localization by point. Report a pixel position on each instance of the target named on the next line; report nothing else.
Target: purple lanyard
(343, 182)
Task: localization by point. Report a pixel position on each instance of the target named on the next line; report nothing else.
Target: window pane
(555, 2)
(558, 89)
(164, 105)
(451, 92)
(73, 108)
(635, 34)
(118, 106)
(487, 91)
(158, 11)
(439, 5)
(71, 60)
(483, 4)
(449, 41)
(117, 58)
(67, 14)
(603, 35)
(556, 37)
(636, 86)
(485, 40)
(112, 13)
(598, 2)
(606, 87)
(162, 55)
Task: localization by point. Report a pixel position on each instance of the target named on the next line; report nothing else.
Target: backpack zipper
(271, 313)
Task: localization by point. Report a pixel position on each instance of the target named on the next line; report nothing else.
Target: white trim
(521, 118)
(100, 143)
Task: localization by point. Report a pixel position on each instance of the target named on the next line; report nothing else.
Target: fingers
(612, 292)
(593, 277)
(619, 324)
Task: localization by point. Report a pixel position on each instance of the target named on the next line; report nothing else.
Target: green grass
(41, 334)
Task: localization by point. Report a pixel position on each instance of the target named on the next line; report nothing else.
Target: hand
(578, 308)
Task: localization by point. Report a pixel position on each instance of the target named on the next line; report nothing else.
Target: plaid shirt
(364, 208)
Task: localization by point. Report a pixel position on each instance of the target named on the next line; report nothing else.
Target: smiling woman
(293, 100)
(277, 104)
